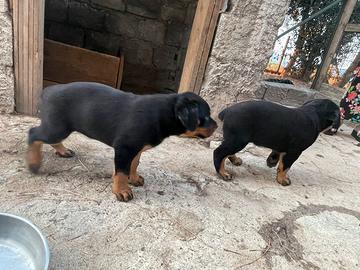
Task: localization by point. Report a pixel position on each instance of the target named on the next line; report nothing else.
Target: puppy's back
(263, 123)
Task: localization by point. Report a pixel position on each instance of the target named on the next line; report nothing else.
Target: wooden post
(202, 34)
(282, 54)
(28, 21)
(347, 10)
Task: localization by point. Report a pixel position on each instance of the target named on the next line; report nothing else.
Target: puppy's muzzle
(202, 131)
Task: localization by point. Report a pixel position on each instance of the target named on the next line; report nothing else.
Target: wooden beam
(207, 45)
(353, 27)
(347, 10)
(28, 21)
(202, 34)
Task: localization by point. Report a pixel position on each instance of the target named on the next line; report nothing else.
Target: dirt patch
(280, 234)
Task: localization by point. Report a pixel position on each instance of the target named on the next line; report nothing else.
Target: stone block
(190, 13)
(166, 80)
(174, 10)
(151, 30)
(137, 51)
(66, 34)
(112, 4)
(145, 8)
(259, 92)
(56, 10)
(82, 14)
(123, 24)
(275, 92)
(102, 42)
(142, 78)
(166, 57)
(297, 96)
(175, 33)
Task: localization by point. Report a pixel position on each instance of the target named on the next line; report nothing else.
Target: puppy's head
(194, 114)
(327, 111)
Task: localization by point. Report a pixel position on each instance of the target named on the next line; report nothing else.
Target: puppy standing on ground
(127, 122)
(287, 131)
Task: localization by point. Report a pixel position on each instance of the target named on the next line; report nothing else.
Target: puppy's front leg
(135, 179)
(285, 162)
(121, 188)
(123, 159)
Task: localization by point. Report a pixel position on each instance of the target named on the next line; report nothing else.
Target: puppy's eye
(204, 121)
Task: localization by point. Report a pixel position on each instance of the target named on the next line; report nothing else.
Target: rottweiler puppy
(129, 123)
(287, 131)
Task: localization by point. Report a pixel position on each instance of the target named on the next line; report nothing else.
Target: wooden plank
(28, 17)
(352, 27)
(347, 10)
(23, 52)
(30, 55)
(65, 63)
(15, 8)
(196, 45)
(48, 83)
(120, 72)
(38, 41)
(207, 45)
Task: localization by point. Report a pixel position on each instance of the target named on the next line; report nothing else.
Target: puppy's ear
(187, 112)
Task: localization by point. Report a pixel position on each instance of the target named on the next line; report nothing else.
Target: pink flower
(352, 95)
(356, 109)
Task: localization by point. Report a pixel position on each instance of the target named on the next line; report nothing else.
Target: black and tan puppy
(287, 131)
(127, 122)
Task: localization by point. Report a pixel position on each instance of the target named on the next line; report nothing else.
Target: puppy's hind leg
(285, 162)
(273, 159)
(221, 153)
(37, 137)
(34, 156)
(62, 151)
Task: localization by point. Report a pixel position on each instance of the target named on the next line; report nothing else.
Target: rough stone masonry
(6, 60)
(243, 44)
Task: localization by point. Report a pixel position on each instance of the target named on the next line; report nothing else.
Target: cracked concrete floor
(185, 217)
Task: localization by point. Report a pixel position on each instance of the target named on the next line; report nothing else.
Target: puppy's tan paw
(136, 180)
(284, 181)
(67, 153)
(124, 195)
(226, 176)
(235, 160)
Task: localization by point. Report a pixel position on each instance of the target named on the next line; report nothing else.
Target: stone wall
(243, 44)
(152, 34)
(6, 60)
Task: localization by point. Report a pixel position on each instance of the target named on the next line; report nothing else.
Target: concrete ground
(185, 217)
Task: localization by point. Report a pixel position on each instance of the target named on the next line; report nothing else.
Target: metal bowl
(22, 245)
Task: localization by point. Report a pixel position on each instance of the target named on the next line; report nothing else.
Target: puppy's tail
(222, 115)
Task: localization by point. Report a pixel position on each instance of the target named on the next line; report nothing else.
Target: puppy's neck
(169, 123)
